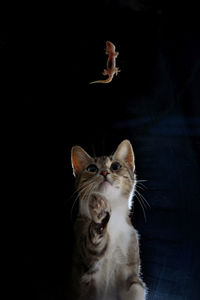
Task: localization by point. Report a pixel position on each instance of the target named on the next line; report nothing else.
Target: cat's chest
(119, 240)
(111, 266)
(119, 232)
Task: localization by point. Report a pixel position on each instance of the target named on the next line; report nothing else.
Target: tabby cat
(106, 259)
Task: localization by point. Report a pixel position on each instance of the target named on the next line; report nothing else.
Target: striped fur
(106, 258)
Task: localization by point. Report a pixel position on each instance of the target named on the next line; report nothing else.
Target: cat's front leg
(94, 244)
(100, 214)
(136, 290)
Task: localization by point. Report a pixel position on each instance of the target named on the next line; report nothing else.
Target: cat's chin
(104, 185)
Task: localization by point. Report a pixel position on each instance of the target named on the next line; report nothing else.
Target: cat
(106, 258)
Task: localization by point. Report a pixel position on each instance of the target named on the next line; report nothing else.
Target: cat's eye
(92, 168)
(115, 166)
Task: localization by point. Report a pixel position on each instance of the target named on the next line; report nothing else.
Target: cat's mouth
(104, 184)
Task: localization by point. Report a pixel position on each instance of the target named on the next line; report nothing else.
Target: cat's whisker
(141, 207)
(76, 191)
(84, 184)
(142, 180)
(88, 191)
(85, 191)
(74, 202)
(79, 191)
(138, 182)
(138, 186)
(143, 202)
(143, 199)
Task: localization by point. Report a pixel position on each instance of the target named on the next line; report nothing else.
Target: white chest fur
(118, 228)
(111, 265)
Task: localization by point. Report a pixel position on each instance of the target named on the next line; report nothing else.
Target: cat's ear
(125, 153)
(80, 159)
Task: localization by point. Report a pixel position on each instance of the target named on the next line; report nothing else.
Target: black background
(48, 59)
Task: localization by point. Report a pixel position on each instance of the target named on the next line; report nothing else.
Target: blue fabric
(169, 238)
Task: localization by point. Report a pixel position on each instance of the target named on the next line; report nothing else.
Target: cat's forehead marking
(103, 161)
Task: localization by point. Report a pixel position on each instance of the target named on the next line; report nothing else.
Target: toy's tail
(107, 80)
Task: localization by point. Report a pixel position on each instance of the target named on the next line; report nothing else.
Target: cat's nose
(104, 173)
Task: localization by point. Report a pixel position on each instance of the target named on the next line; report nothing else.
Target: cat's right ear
(80, 159)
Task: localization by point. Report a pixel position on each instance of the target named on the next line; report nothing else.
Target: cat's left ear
(125, 152)
(80, 158)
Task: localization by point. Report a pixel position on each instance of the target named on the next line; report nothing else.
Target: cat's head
(113, 176)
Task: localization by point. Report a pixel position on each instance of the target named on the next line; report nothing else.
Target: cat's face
(112, 176)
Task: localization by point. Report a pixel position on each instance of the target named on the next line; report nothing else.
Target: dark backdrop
(50, 56)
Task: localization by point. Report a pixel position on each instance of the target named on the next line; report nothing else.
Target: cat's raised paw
(99, 208)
